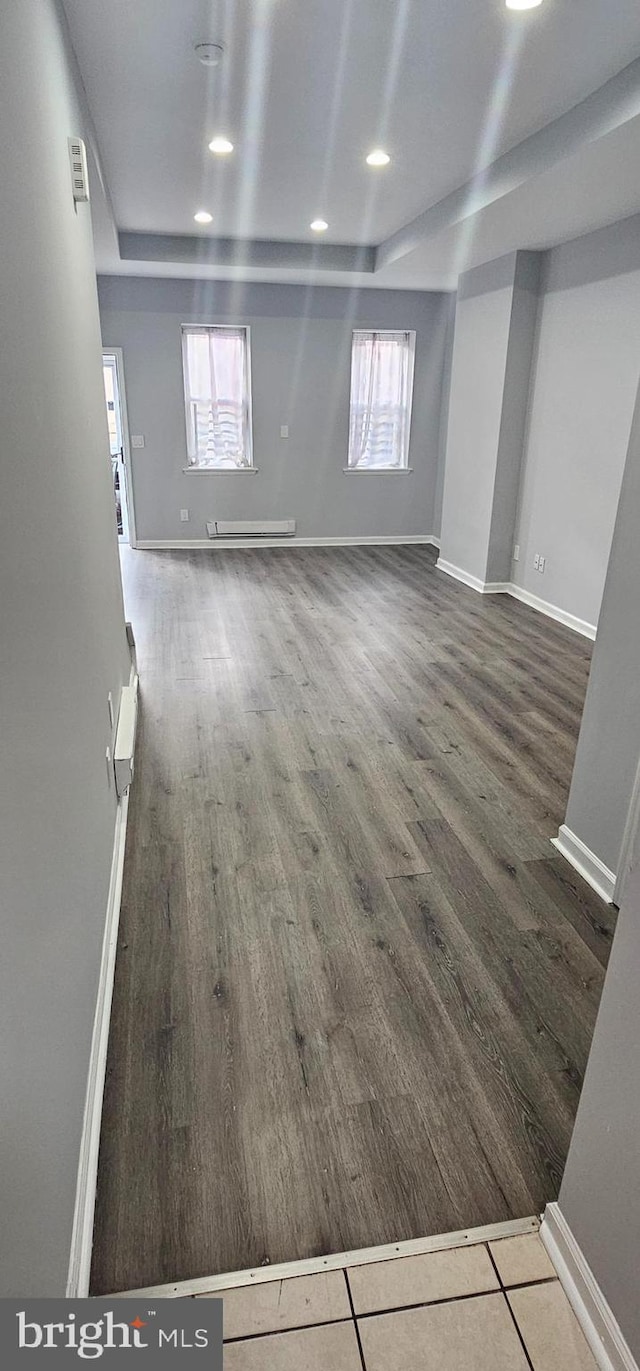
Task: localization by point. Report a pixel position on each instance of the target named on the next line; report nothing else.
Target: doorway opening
(118, 447)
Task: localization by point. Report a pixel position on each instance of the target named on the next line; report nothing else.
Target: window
(216, 385)
(381, 387)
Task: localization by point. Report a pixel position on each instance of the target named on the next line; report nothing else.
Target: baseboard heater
(125, 743)
(251, 528)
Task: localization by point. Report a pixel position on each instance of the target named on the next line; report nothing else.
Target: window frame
(405, 468)
(194, 468)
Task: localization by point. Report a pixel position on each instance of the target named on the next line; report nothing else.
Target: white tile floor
(494, 1306)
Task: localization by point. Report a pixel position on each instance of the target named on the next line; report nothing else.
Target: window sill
(219, 471)
(377, 471)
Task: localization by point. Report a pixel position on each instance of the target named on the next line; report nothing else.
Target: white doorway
(112, 370)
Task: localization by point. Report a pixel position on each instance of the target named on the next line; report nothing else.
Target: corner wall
(585, 376)
(599, 1196)
(478, 372)
(495, 322)
(62, 648)
(300, 365)
(609, 742)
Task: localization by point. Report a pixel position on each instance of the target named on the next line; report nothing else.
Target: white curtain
(217, 402)
(381, 379)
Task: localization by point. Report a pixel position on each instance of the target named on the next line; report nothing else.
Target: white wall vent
(251, 528)
(79, 172)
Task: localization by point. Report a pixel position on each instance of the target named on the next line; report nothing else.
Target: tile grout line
(279, 1332)
(428, 1304)
(526, 1285)
(379, 1313)
(355, 1321)
(511, 1313)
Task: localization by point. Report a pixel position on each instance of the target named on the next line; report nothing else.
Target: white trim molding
(82, 1232)
(599, 877)
(131, 541)
(370, 540)
(561, 616)
(460, 575)
(337, 1261)
(600, 1327)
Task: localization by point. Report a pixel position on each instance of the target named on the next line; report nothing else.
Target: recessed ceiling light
(378, 158)
(203, 217)
(210, 54)
(221, 146)
(319, 225)
(522, 4)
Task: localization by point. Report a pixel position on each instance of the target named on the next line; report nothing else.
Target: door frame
(126, 446)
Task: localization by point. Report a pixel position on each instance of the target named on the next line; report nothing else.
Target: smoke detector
(210, 54)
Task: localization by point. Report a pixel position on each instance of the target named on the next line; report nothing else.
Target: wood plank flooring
(355, 987)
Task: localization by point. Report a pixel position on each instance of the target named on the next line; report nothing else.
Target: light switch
(137, 439)
(284, 430)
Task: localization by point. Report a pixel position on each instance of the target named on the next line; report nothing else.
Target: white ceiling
(307, 87)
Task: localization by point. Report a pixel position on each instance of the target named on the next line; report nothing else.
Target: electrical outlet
(137, 439)
(284, 430)
(541, 564)
(184, 516)
(516, 553)
(536, 562)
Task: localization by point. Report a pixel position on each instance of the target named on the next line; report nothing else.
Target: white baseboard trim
(336, 1261)
(599, 877)
(82, 1232)
(600, 1327)
(553, 611)
(371, 540)
(561, 616)
(465, 576)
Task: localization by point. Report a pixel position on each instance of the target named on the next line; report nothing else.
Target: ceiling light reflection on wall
(319, 225)
(378, 158)
(221, 146)
(203, 217)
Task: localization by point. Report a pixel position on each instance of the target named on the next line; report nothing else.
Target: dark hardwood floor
(355, 986)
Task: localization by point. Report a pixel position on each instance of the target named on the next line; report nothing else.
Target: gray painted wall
(300, 362)
(62, 648)
(609, 742)
(600, 1195)
(444, 423)
(586, 374)
(481, 338)
(491, 370)
(513, 426)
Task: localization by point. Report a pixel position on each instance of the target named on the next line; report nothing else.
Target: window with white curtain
(217, 398)
(381, 390)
